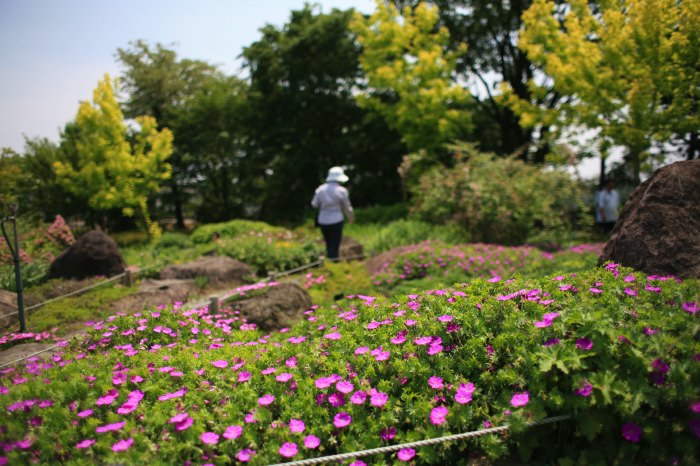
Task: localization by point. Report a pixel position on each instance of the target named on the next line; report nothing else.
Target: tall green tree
(409, 71)
(116, 168)
(629, 69)
(302, 80)
(213, 137)
(158, 83)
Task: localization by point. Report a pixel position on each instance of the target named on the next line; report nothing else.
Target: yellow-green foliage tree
(409, 72)
(117, 169)
(629, 68)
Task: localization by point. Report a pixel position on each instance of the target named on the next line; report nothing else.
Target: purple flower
(435, 382)
(284, 377)
(406, 454)
(110, 427)
(691, 307)
(288, 449)
(378, 399)
(439, 415)
(630, 292)
(584, 344)
(336, 399)
(388, 434)
(520, 399)
(333, 336)
(220, 363)
(358, 398)
(311, 441)
(210, 438)
(244, 455)
(344, 387)
(87, 443)
(358, 463)
(631, 432)
(445, 318)
(464, 393)
(233, 432)
(243, 376)
(660, 365)
(296, 425)
(585, 390)
(694, 425)
(342, 420)
(266, 400)
(123, 445)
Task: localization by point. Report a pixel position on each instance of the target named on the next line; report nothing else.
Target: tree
(212, 138)
(305, 119)
(629, 69)
(159, 84)
(409, 72)
(116, 167)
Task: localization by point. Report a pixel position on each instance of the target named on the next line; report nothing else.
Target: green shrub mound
(618, 351)
(234, 228)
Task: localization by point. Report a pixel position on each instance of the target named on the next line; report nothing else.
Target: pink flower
(110, 427)
(438, 415)
(284, 377)
(266, 400)
(406, 454)
(584, 344)
(344, 387)
(361, 350)
(423, 340)
(520, 399)
(209, 438)
(243, 376)
(445, 318)
(660, 366)
(585, 390)
(358, 463)
(220, 363)
(398, 339)
(631, 432)
(123, 445)
(87, 443)
(342, 420)
(464, 393)
(691, 307)
(435, 382)
(595, 290)
(86, 413)
(288, 449)
(245, 455)
(494, 279)
(630, 292)
(358, 398)
(547, 319)
(333, 336)
(296, 425)
(323, 382)
(336, 399)
(233, 432)
(378, 399)
(311, 441)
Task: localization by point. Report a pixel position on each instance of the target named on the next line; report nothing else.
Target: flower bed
(616, 350)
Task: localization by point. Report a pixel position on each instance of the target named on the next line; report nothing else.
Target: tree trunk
(693, 146)
(601, 179)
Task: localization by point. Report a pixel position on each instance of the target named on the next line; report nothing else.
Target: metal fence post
(18, 270)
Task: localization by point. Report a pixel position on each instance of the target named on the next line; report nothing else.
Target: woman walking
(333, 202)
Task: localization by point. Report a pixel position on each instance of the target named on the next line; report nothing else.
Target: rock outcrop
(94, 254)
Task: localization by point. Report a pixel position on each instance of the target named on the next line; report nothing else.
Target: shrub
(336, 280)
(235, 228)
(174, 240)
(376, 239)
(267, 254)
(498, 200)
(616, 350)
(382, 214)
(32, 274)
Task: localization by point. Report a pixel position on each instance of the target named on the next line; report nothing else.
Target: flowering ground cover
(616, 350)
(444, 263)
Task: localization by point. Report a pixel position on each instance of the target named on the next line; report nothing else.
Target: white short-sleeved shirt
(333, 201)
(609, 201)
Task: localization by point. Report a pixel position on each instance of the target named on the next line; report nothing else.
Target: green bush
(615, 350)
(174, 240)
(381, 214)
(235, 228)
(268, 254)
(336, 280)
(376, 239)
(32, 274)
(498, 200)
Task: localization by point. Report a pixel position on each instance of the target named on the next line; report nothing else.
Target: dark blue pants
(332, 234)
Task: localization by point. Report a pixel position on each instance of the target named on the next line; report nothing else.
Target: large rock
(219, 270)
(8, 308)
(94, 254)
(281, 306)
(380, 262)
(658, 231)
(153, 293)
(350, 249)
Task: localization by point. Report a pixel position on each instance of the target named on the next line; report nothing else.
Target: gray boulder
(219, 271)
(281, 306)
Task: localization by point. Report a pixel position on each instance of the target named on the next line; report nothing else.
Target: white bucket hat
(336, 174)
